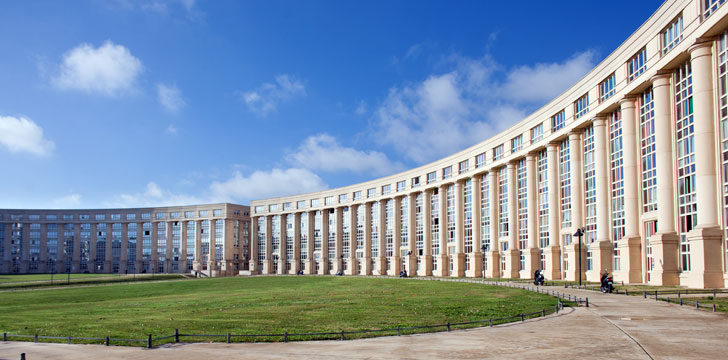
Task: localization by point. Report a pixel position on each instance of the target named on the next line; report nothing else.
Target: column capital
(553, 146)
(661, 79)
(531, 155)
(512, 164)
(599, 121)
(574, 134)
(628, 102)
(701, 47)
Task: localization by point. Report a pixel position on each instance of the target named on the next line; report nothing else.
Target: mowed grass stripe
(257, 305)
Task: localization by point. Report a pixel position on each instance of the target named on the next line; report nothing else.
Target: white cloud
(469, 103)
(263, 184)
(170, 97)
(68, 201)
(171, 130)
(153, 195)
(361, 108)
(110, 69)
(23, 135)
(323, 152)
(266, 98)
(543, 82)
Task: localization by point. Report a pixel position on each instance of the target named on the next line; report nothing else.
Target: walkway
(614, 326)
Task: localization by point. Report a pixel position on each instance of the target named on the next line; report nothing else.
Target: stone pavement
(613, 327)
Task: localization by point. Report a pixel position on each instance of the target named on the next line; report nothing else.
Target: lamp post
(483, 249)
(341, 268)
(579, 233)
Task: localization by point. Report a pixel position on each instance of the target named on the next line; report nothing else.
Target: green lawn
(15, 282)
(721, 302)
(12, 278)
(257, 305)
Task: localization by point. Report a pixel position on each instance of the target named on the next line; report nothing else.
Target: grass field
(8, 278)
(15, 282)
(257, 305)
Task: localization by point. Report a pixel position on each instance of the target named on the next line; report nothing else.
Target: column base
(572, 261)
(442, 266)
(108, 267)
(411, 264)
(458, 265)
(630, 260)
(533, 261)
(492, 266)
(366, 266)
(513, 260)
(425, 266)
(381, 266)
(352, 267)
(282, 267)
(665, 254)
(706, 258)
(602, 254)
(476, 265)
(310, 267)
(553, 262)
(395, 266)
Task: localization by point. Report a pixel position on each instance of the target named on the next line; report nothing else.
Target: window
(37, 217)
(51, 217)
(617, 178)
(431, 177)
(498, 152)
(522, 210)
(217, 212)
(468, 216)
(98, 217)
(685, 159)
(329, 200)
(273, 207)
(447, 172)
(386, 189)
(558, 121)
(65, 217)
(258, 209)
(485, 210)
(637, 64)
(371, 192)
(723, 113)
(672, 35)
(435, 222)
(710, 6)
(315, 202)
(204, 213)
(191, 214)
(606, 88)
(158, 216)
(480, 160)
(172, 215)
(648, 151)
(590, 188)
(581, 106)
(536, 133)
(415, 181)
(357, 195)
(464, 166)
(565, 183)
(287, 206)
(342, 198)
(516, 143)
(131, 216)
(300, 204)
(503, 201)
(543, 199)
(401, 185)
(145, 216)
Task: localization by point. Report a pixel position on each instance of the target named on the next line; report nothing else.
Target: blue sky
(151, 103)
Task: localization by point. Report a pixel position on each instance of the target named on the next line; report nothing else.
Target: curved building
(207, 240)
(634, 155)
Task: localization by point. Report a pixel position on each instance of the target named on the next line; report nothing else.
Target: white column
(427, 232)
(412, 234)
(459, 259)
(513, 254)
(296, 265)
(602, 249)
(576, 175)
(443, 262)
(533, 253)
(705, 240)
(665, 242)
(253, 246)
(476, 257)
(553, 251)
(353, 268)
(493, 255)
(630, 245)
(367, 260)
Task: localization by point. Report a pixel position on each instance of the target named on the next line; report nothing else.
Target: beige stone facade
(634, 153)
(208, 240)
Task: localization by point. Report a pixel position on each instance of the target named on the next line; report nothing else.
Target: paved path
(613, 327)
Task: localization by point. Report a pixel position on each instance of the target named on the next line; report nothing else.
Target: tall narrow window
(389, 227)
(435, 221)
(522, 194)
(581, 106)
(590, 188)
(558, 121)
(565, 183)
(688, 212)
(485, 210)
(374, 228)
(404, 221)
(543, 199)
(468, 216)
(723, 103)
(648, 155)
(617, 171)
(451, 214)
(637, 64)
(672, 35)
(516, 143)
(503, 201)
(419, 224)
(606, 88)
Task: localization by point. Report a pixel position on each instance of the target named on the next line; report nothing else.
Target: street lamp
(579, 233)
(482, 249)
(341, 268)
